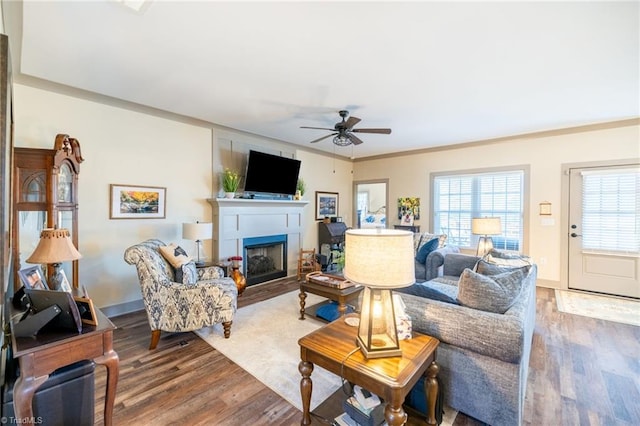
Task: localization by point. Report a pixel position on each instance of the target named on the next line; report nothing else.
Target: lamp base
(55, 281)
(485, 245)
(378, 353)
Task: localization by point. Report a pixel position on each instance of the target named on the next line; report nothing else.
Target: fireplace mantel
(235, 219)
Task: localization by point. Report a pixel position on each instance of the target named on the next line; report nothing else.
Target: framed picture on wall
(137, 202)
(326, 204)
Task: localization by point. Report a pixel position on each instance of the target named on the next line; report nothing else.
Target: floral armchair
(177, 307)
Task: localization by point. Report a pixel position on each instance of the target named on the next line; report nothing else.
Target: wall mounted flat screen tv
(271, 174)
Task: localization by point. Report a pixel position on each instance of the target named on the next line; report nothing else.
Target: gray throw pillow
(487, 268)
(496, 293)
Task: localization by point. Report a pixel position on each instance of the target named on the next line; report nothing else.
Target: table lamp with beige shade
(197, 232)
(55, 247)
(380, 260)
(485, 226)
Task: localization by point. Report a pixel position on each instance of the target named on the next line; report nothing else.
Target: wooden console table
(332, 348)
(48, 351)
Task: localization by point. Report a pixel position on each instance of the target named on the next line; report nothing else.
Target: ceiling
(436, 73)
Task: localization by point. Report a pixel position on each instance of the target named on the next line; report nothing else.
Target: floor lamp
(485, 226)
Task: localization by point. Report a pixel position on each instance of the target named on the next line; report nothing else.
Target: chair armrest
(210, 273)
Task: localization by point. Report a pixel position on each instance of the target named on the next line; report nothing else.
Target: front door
(604, 229)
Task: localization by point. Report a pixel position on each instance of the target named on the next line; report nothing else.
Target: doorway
(604, 229)
(371, 204)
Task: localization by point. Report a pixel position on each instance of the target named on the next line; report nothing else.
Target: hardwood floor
(583, 371)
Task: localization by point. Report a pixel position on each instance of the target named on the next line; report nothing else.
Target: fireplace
(265, 258)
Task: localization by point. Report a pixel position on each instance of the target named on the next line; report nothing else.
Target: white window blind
(611, 211)
(459, 198)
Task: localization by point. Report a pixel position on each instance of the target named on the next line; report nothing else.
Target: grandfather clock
(45, 196)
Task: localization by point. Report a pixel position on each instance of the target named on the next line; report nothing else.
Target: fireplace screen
(265, 258)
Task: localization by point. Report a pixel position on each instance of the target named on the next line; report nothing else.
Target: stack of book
(362, 409)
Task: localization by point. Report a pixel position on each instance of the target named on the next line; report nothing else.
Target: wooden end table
(342, 296)
(40, 356)
(390, 378)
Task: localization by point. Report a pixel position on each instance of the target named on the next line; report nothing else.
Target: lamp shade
(197, 231)
(379, 258)
(486, 226)
(55, 246)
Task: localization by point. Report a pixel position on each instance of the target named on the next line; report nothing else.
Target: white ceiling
(437, 73)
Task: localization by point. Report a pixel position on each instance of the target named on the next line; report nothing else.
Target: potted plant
(300, 189)
(230, 182)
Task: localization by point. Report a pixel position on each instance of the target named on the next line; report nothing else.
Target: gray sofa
(483, 356)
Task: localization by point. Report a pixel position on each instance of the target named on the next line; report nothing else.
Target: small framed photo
(86, 310)
(326, 204)
(33, 278)
(137, 202)
(64, 284)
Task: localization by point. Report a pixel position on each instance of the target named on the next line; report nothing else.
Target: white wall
(122, 146)
(325, 174)
(409, 176)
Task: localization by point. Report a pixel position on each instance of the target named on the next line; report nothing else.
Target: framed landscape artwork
(137, 202)
(326, 204)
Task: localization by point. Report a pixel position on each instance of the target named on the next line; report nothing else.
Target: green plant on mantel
(301, 186)
(230, 180)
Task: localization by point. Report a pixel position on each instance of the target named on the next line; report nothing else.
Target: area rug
(601, 307)
(264, 342)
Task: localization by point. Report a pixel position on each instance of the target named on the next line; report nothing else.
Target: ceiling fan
(344, 131)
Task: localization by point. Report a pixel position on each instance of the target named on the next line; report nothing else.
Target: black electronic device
(69, 316)
(271, 174)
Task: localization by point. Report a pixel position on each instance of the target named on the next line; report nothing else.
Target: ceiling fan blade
(384, 131)
(317, 128)
(351, 121)
(354, 139)
(324, 137)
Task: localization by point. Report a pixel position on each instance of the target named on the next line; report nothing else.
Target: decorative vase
(238, 278)
(229, 194)
(298, 195)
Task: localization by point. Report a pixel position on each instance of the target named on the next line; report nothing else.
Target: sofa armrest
(435, 261)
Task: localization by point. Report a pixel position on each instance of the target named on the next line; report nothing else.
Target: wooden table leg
(302, 297)
(306, 386)
(431, 391)
(23, 391)
(394, 414)
(111, 361)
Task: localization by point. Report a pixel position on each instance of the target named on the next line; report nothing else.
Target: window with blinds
(610, 210)
(460, 197)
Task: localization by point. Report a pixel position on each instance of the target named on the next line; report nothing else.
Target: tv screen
(268, 173)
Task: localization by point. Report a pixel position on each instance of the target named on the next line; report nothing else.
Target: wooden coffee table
(342, 296)
(332, 348)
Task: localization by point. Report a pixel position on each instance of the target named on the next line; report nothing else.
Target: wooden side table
(331, 347)
(341, 295)
(40, 356)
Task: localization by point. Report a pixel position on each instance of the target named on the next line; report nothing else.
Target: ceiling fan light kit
(344, 131)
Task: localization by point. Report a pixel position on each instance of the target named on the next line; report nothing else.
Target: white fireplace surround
(235, 219)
